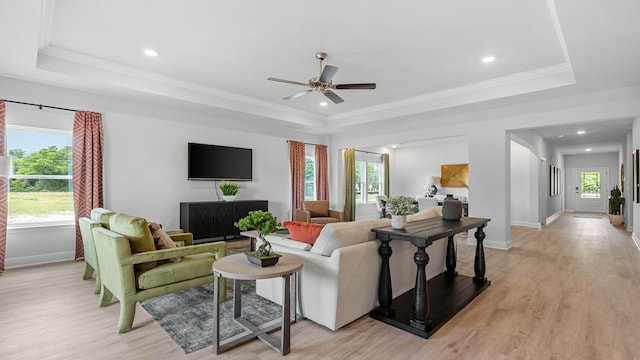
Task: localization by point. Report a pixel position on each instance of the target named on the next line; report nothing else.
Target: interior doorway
(590, 194)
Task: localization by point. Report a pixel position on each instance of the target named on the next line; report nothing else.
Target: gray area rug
(187, 316)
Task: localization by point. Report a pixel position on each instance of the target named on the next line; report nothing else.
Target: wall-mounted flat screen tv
(215, 162)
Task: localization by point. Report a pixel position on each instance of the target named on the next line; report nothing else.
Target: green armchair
(99, 218)
(132, 271)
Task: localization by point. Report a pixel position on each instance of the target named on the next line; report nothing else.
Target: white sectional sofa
(339, 280)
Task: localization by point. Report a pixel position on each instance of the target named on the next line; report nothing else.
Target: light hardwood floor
(568, 291)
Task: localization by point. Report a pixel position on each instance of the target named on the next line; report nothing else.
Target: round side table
(238, 267)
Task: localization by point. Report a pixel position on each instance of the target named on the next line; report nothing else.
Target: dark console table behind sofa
(213, 220)
(431, 304)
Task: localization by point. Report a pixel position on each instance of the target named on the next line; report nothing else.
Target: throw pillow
(303, 231)
(162, 240)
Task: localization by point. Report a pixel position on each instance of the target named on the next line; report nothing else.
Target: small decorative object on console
(451, 208)
(399, 207)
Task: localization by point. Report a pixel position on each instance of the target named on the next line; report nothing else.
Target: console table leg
(421, 292)
(451, 258)
(384, 285)
(479, 266)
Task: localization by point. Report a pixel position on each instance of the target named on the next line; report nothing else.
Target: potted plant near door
(615, 206)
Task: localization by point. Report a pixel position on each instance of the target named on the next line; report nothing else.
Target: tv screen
(214, 162)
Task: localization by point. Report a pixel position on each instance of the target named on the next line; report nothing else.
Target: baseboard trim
(526, 224)
(554, 217)
(12, 263)
(490, 244)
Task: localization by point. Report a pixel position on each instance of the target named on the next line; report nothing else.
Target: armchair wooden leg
(88, 271)
(127, 313)
(105, 297)
(98, 284)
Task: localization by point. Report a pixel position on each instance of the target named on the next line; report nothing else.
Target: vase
(451, 208)
(229, 197)
(398, 221)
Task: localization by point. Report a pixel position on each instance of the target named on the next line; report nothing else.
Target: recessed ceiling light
(587, 149)
(488, 59)
(394, 146)
(150, 52)
(580, 132)
(324, 103)
(561, 135)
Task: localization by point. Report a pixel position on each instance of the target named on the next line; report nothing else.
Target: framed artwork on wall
(454, 175)
(555, 183)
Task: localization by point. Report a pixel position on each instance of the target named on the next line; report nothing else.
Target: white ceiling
(423, 55)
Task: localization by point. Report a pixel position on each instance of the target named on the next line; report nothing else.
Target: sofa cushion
(342, 234)
(277, 240)
(425, 214)
(136, 229)
(191, 267)
(318, 208)
(302, 231)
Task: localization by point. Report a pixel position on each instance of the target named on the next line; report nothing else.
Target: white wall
(524, 187)
(412, 166)
(636, 207)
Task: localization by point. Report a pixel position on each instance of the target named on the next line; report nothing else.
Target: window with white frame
(369, 178)
(40, 184)
(310, 181)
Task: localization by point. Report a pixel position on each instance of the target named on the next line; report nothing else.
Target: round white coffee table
(238, 267)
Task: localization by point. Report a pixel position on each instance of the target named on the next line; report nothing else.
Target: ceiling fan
(323, 84)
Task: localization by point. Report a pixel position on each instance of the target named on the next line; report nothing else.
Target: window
(40, 184)
(310, 178)
(369, 175)
(590, 184)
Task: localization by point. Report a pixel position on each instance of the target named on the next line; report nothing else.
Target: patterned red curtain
(4, 200)
(322, 173)
(296, 164)
(88, 142)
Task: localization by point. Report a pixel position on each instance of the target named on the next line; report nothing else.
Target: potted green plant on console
(399, 207)
(615, 204)
(229, 191)
(263, 223)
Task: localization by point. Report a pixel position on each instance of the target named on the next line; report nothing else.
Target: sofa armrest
(302, 215)
(337, 214)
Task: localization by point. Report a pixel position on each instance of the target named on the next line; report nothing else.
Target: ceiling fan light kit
(323, 83)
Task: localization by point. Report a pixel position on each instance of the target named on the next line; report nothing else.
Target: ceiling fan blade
(297, 95)
(365, 86)
(287, 81)
(328, 73)
(333, 96)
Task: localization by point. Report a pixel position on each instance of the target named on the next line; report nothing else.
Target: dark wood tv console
(213, 220)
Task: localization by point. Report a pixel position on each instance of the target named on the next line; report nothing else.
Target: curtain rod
(367, 152)
(306, 143)
(39, 105)
(362, 151)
